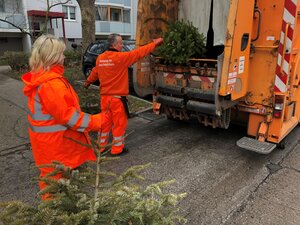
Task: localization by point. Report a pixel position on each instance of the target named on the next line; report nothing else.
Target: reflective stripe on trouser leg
(103, 140)
(120, 119)
(106, 128)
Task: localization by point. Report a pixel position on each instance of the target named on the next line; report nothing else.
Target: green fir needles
(182, 41)
(114, 199)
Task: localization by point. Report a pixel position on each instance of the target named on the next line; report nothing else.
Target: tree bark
(87, 8)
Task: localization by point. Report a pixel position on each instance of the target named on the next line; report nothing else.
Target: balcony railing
(17, 19)
(120, 2)
(113, 27)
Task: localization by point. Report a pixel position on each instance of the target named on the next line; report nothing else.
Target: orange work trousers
(117, 123)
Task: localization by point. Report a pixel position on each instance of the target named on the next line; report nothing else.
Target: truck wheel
(141, 92)
(172, 118)
(281, 145)
(225, 118)
(87, 71)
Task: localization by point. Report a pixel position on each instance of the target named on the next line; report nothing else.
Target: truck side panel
(234, 79)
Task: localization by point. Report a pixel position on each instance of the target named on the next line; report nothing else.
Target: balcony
(118, 2)
(104, 27)
(17, 19)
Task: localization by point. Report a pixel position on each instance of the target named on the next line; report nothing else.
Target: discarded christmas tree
(182, 41)
(91, 195)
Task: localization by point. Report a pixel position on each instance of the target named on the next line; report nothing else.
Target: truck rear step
(254, 145)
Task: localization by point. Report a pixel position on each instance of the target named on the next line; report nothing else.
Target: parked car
(98, 47)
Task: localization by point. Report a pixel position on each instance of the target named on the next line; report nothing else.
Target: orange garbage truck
(252, 74)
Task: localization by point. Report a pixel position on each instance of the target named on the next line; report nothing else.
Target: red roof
(43, 13)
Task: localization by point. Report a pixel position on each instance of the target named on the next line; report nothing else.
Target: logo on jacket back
(106, 62)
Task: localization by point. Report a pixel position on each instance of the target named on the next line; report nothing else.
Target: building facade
(64, 21)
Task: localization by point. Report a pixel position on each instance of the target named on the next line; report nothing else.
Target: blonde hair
(47, 51)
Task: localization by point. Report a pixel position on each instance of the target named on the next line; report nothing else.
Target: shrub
(73, 58)
(17, 60)
(182, 41)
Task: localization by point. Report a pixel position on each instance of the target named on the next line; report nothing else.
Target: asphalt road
(225, 184)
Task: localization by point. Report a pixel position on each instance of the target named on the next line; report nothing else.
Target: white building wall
(134, 5)
(72, 28)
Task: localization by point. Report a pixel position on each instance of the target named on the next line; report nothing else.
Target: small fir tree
(182, 41)
(90, 196)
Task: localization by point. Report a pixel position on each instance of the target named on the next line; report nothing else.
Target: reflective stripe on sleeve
(84, 123)
(38, 115)
(46, 129)
(74, 119)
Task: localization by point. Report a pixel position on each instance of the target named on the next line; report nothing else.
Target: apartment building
(112, 16)
(11, 38)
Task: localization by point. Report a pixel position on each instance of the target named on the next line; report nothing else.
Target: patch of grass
(89, 99)
(3, 62)
(73, 73)
(15, 74)
(135, 104)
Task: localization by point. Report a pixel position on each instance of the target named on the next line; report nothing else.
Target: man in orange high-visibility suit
(112, 71)
(55, 116)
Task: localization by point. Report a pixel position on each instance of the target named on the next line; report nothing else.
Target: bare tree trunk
(49, 7)
(87, 8)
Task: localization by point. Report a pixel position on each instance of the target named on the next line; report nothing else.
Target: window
(108, 13)
(126, 16)
(36, 26)
(98, 48)
(3, 40)
(115, 14)
(102, 13)
(2, 8)
(69, 11)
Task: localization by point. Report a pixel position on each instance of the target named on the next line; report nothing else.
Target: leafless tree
(22, 26)
(15, 8)
(87, 14)
(48, 9)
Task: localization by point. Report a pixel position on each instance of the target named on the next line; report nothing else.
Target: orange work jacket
(54, 117)
(112, 69)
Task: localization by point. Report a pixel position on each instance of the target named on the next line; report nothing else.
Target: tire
(281, 145)
(87, 71)
(141, 92)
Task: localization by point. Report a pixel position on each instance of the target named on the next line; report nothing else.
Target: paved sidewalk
(17, 166)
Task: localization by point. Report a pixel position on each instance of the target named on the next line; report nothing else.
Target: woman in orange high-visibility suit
(54, 112)
(112, 71)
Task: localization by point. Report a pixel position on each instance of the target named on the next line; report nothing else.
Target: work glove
(158, 41)
(86, 84)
